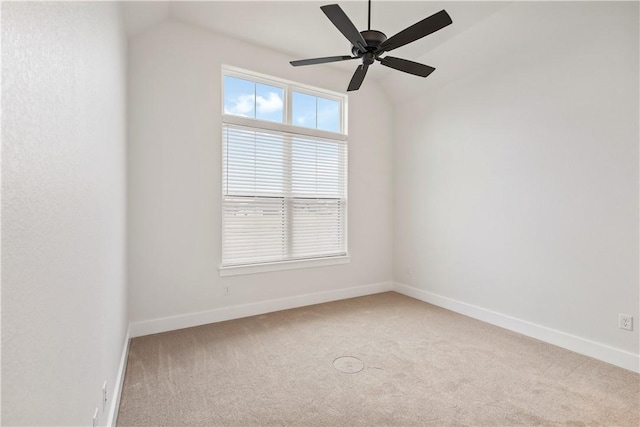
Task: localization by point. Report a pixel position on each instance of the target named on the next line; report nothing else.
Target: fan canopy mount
(369, 44)
(373, 38)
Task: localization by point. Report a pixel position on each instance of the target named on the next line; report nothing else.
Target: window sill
(236, 270)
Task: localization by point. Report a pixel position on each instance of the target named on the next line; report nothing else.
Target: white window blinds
(284, 196)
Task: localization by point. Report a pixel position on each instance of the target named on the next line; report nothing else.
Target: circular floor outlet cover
(348, 364)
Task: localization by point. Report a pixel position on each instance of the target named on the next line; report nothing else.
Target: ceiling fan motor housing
(373, 38)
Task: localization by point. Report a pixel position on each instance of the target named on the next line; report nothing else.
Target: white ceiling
(300, 29)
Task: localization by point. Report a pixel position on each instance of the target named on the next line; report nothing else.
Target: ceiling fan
(370, 44)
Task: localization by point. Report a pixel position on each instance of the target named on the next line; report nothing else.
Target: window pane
(254, 230)
(328, 115)
(269, 172)
(317, 168)
(304, 110)
(269, 103)
(253, 163)
(239, 97)
(304, 180)
(317, 228)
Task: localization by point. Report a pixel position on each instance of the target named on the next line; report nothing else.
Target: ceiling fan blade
(429, 25)
(407, 66)
(344, 24)
(321, 60)
(358, 77)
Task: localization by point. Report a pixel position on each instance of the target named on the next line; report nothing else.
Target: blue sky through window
(269, 103)
(238, 97)
(304, 110)
(265, 102)
(255, 100)
(328, 115)
(315, 112)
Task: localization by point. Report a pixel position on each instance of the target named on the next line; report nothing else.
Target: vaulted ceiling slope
(482, 34)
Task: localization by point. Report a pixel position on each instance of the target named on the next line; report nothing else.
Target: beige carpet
(421, 365)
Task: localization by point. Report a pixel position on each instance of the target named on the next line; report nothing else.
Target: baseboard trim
(117, 390)
(605, 353)
(166, 324)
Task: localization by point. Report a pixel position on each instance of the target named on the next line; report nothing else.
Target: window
(255, 100)
(284, 174)
(315, 112)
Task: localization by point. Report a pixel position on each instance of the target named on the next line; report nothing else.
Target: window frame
(287, 126)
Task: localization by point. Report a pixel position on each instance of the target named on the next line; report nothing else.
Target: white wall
(174, 177)
(63, 209)
(517, 187)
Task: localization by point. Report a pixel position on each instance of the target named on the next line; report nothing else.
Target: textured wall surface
(517, 187)
(63, 209)
(175, 176)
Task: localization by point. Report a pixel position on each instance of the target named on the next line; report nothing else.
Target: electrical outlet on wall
(104, 396)
(227, 290)
(625, 321)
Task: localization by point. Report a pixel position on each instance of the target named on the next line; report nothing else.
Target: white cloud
(270, 105)
(240, 106)
(244, 104)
